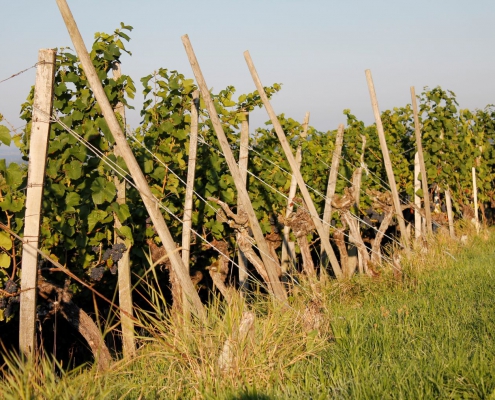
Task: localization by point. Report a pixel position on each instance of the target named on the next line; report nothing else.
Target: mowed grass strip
(432, 338)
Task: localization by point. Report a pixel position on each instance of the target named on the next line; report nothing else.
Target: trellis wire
(117, 169)
(203, 141)
(22, 71)
(315, 191)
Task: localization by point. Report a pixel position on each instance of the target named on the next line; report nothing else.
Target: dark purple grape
(113, 269)
(10, 286)
(116, 256)
(97, 273)
(120, 247)
(107, 255)
(3, 302)
(9, 310)
(96, 249)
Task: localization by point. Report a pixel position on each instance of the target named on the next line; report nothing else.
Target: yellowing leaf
(5, 240)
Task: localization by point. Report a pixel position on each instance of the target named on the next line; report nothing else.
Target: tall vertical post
(287, 256)
(325, 241)
(38, 146)
(386, 159)
(124, 264)
(191, 171)
(475, 199)
(417, 199)
(243, 166)
(149, 200)
(332, 183)
(448, 201)
(422, 167)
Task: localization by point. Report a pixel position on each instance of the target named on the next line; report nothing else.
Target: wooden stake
(140, 181)
(191, 171)
(243, 166)
(419, 147)
(124, 265)
(450, 215)
(332, 183)
(354, 256)
(386, 159)
(275, 286)
(295, 171)
(40, 130)
(287, 256)
(417, 199)
(475, 195)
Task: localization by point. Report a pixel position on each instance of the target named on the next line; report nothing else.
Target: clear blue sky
(317, 49)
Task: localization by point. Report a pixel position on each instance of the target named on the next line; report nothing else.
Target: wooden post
(450, 215)
(243, 166)
(332, 183)
(475, 198)
(354, 256)
(149, 200)
(124, 265)
(295, 170)
(417, 199)
(275, 286)
(287, 256)
(419, 147)
(386, 159)
(40, 130)
(191, 170)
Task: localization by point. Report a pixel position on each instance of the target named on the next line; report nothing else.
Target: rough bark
(78, 319)
(219, 270)
(240, 223)
(302, 224)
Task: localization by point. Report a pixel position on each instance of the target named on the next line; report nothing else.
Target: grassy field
(426, 334)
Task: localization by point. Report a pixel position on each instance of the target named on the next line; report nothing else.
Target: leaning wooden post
(275, 286)
(243, 166)
(149, 200)
(417, 199)
(295, 170)
(422, 167)
(332, 183)
(475, 199)
(191, 170)
(40, 130)
(386, 159)
(450, 215)
(124, 265)
(287, 256)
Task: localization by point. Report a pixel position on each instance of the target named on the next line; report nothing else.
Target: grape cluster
(115, 253)
(97, 273)
(7, 303)
(373, 217)
(10, 287)
(110, 256)
(9, 310)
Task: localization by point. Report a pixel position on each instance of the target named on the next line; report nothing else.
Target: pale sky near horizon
(318, 50)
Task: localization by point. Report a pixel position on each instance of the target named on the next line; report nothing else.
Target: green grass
(429, 334)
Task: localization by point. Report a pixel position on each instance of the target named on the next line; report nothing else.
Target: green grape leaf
(5, 137)
(4, 260)
(103, 190)
(5, 240)
(95, 217)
